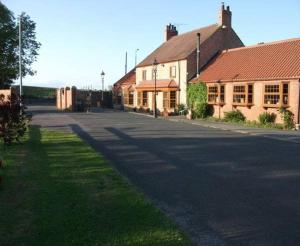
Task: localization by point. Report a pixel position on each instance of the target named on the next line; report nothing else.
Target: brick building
(180, 58)
(255, 79)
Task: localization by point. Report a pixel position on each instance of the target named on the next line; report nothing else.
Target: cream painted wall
(163, 72)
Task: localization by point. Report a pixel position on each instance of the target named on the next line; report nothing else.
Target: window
(144, 76)
(169, 99)
(130, 98)
(172, 99)
(216, 94)
(119, 98)
(212, 94)
(126, 97)
(139, 98)
(276, 94)
(145, 99)
(153, 75)
(250, 93)
(165, 99)
(285, 93)
(173, 72)
(243, 94)
(222, 93)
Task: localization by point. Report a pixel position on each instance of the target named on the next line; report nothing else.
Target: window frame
(131, 98)
(144, 74)
(172, 99)
(139, 98)
(172, 72)
(245, 93)
(145, 99)
(280, 93)
(125, 97)
(218, 94)
(166, 101)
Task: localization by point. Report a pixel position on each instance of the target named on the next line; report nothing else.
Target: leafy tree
(9, 46)
(197, 93)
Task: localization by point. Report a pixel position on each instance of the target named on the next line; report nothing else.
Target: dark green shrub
(287, 117)
(181, 109)
(266, 118)
(13, 120)
(234, 116)
(202, 110)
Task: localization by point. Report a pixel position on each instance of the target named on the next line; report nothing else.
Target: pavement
(221, 187)
(284, 135)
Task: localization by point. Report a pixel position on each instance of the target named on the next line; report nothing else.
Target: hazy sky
(81, 37)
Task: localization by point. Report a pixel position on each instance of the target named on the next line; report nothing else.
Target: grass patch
(56, 190)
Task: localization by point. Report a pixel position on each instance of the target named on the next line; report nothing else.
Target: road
(221, 187)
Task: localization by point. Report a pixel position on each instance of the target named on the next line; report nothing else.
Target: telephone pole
(20, 57)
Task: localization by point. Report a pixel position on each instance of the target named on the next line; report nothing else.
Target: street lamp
(102, 79)
(155, 64)
(136, 51)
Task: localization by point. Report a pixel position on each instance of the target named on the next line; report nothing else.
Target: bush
(287, 117)
(196, 93)
(266, 118)
(13, 121)
(234, 116)
(202, 110)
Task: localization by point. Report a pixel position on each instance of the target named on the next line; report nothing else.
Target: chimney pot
(170, 32)
(225, 16)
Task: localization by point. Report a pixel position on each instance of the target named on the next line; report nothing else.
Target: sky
(80, 38)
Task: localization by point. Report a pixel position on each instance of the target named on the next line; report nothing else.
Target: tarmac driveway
(222, 188)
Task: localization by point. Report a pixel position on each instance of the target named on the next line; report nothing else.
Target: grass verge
(56, 190)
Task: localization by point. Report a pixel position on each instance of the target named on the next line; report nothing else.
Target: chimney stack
(225, 16)
(171, 31)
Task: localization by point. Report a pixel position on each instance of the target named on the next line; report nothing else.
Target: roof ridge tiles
(262, 45)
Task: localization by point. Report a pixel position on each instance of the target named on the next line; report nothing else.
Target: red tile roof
(179, 47)
(160, 84)
(277, 60)
(127, 79)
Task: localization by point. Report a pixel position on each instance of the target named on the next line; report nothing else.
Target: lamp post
(136, 51)
(102, 79)
(155, 64)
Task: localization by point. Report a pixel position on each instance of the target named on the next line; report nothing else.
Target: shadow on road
(223, 190)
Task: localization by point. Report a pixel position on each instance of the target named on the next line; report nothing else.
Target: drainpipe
(179, 81)
(198, 54)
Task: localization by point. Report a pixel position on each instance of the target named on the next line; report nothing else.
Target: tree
(9, 46)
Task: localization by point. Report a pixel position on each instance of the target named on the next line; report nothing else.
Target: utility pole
(126, 63)
(20, 57)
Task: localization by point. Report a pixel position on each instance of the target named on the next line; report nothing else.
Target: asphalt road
(222, 188)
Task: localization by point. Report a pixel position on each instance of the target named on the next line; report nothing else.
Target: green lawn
(57, 191)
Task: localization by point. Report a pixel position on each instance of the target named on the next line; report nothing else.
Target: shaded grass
(58, 191)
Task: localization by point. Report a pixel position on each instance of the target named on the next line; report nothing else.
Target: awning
(161, 85)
